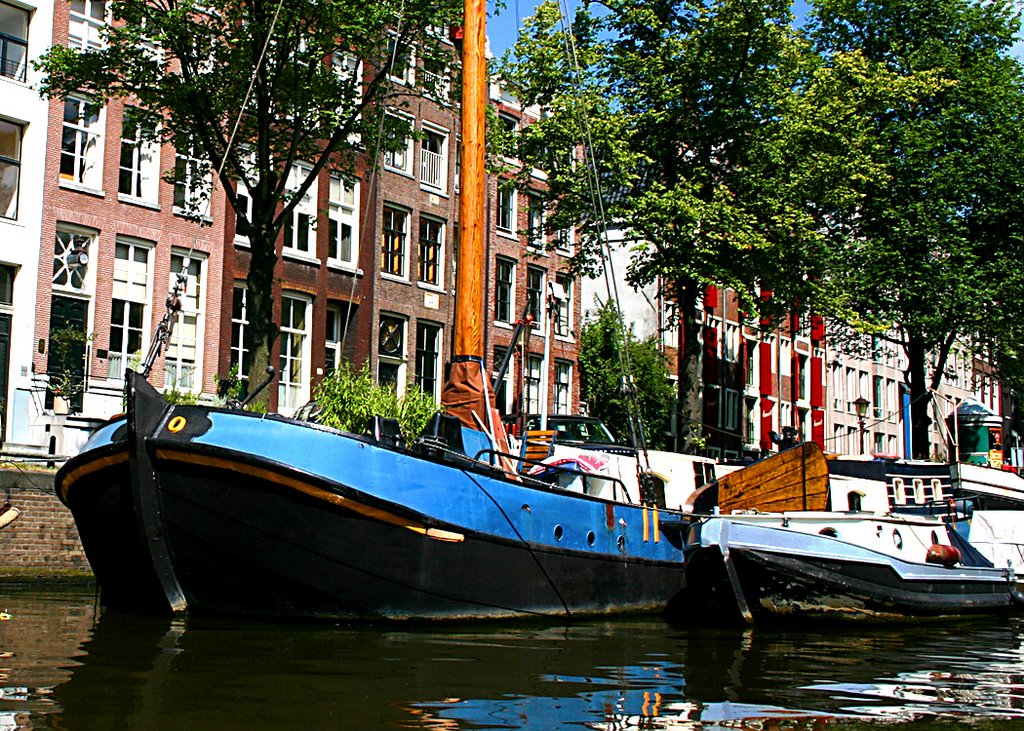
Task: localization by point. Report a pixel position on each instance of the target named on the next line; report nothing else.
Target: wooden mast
(469, 290)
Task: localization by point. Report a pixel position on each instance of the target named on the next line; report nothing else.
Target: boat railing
(619, 493)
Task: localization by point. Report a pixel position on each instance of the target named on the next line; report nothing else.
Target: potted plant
(66, 366)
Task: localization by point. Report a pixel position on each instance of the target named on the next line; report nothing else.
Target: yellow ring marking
(176, 424)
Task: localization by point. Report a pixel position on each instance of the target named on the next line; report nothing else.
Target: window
(81, 148)
(185, 348)
(436, 79)
(731, 342)
(398, 155)
(535, 295)
(506, 210)
(10, 167)
(509, 128)
(70, 259)
(401, 60)
(193, 183)
(139, 174)
(293, 388)
(878, 398)
(241, 335)
(434, 159)
(563, 305)
(535, 222)
(130, 300)
(431, 251)
(503, 393)
(394, 242)
(504, 290)
(730, 409)
(803, 377)
(428, 357)
(343, 203)
(564, 240)
(349, 70)
(335, 330)
(391, 352)
(563, 386)
(85, 23)
(534, 364)
(300, 226)
(13, 42)
(244, 206)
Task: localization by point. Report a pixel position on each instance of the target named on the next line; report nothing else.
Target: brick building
(109, 218)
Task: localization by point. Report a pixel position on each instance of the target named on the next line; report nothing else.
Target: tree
(610, 355)
(713, 133)
(931, 253)
(252, 88)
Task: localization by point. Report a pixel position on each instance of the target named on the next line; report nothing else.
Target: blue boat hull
(228, 512)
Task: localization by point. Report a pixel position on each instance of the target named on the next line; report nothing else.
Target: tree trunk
(260, 305)
(917, 383)
(688, 404)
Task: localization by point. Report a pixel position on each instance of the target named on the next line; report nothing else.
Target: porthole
(935, 538)
(621, 543)
(558, 532)
(830, 532)
(590, 538)
(897, 540)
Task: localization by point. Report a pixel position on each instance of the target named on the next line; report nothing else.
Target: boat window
(917, 495)
(590, 538)
(853, 500)
(558, 532)
(896, 491)
(897, 539)
(829, 532)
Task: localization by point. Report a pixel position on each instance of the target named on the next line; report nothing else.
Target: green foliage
(604, 349)
(182, 398)
(349, 399)
(66, 365)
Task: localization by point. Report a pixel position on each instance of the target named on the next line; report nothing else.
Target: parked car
(579, 431)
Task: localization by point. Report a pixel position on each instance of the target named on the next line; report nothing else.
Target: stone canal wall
(43, 540)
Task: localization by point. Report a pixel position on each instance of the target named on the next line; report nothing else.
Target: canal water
(65, 664)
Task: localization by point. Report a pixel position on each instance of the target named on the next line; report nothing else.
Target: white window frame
(343, 210)
(532, 380)
(86, 149)
(143, 151)
(400, 161)
(439, 244)
(564, 307)
(406, 73)
(398, 360)
(511, 284)
(191, 189)
(334, 326)
(435, 374)
(182, 373)
(535, 215)
(132, 285)
(563, 386)
(69, 242)
(540, 293)
(14, 47)
(403, 250)
(505, 219)
(434, 164)
(10, 168)
(88, 18)
(294, 360)
(300, 229)
(240, 324)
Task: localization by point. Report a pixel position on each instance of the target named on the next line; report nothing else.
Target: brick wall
(43, 539)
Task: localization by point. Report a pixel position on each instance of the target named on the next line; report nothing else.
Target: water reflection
(63, 664)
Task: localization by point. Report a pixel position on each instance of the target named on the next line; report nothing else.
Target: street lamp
(861, 405)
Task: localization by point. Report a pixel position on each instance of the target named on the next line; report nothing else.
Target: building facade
(110, 220)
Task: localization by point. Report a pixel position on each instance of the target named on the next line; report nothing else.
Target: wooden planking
(796, 479)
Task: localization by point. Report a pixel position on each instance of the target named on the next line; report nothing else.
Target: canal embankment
(42, 542)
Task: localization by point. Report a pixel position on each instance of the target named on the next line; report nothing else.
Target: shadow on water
(63, 664)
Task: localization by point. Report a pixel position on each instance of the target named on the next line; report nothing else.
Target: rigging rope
(593, 180)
